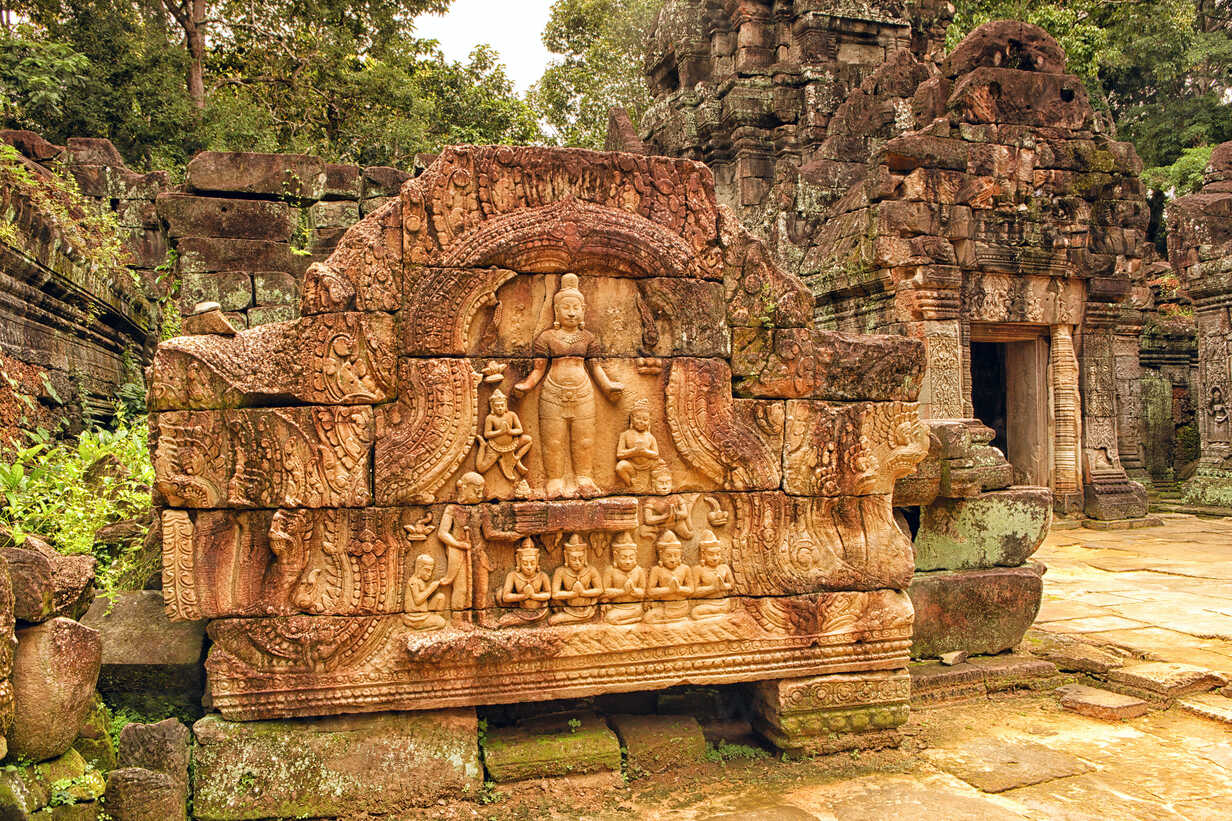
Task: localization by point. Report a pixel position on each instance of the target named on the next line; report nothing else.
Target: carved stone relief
(558, 493)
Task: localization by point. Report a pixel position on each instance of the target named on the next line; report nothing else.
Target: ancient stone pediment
(500, 457)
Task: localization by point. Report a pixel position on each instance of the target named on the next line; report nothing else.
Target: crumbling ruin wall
(246, 226)
(75, 326)
(1200, 251)
(785, 100)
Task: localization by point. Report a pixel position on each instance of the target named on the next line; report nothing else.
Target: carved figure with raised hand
(459, 527)
(503, 444)
(670, 584)
(666, 511)
(424, 601)
(565, 365)
(637, 451)
(624, 584)
(712, 580)
(576, 586)
(527, 589)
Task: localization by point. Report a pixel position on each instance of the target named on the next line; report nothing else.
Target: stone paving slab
(1167, 679)
(1208, 705)
(993, 765)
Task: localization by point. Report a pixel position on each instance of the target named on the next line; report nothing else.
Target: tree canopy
(166, 78)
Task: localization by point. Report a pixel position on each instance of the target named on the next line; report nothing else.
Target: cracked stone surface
(1159, 593)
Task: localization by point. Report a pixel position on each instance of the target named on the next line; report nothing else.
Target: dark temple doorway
(988, 388)
(1010, 394)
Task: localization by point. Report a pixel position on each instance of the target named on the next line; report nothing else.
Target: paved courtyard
(1161, 592)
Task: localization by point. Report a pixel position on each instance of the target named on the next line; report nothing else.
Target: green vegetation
(724, 751)
(164, 79)
(602, 43)
(64, 491)
(94, 232)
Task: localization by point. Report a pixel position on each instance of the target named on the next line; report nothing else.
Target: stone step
(1103, 704)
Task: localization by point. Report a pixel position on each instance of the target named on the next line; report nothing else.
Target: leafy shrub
(64, 491)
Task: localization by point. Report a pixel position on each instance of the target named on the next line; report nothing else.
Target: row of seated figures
(623, 594)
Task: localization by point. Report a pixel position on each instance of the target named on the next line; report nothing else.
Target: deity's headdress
(668, 539)
(575, 542)
(568, 288)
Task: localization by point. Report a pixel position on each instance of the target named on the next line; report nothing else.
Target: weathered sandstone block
(551, 746)
(825, 714)
(291, 176)
(33, 589)
(659, 743)
(980, 611)
(149, 664)
(391, 762)
(54, 673)
(190, 216)
(138, 794)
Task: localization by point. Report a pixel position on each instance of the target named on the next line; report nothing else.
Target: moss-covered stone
(381, 763)
(94, 740)
(551, 746)
(1000, 528)
(655, 744)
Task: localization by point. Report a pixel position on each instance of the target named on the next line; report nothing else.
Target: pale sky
(512, 27)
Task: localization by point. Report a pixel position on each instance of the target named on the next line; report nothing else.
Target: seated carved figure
(666, 511)
(624, 584)
(527, 589)
(503, 444)
(670, 583)
(712, 580)
(576, 586)
(424, 601)
(637, 451)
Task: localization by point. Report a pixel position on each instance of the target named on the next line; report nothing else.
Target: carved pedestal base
(1114, 497)
(827, 714)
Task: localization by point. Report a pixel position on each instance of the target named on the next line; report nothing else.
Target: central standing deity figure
(565, 354)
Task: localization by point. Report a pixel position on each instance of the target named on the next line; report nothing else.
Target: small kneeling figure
(424, 601)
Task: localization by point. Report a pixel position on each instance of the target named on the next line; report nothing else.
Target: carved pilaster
(1067, 418)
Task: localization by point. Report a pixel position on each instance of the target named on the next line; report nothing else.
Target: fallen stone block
(342, 765)
(981, 611)
(54, 673)
(954, 657)
(163, 747)
(1216, 707)
(149, 664)
(1011, 671)
(655, 744)
(551, 746)
(1165, 680)
(826, 714)
(33, 591)
(136, 794)
(1001, 528)
(936, 683)
(1096, 703)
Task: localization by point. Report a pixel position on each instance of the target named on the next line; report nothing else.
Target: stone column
(1066, 411)
(1128, 378)
(1108, 491)
(941, 396)
(1212, 482)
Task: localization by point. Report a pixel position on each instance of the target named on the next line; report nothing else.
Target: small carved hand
(519, 389)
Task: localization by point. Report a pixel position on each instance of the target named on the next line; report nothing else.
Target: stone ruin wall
(71, 334)
(1200, 251)
(240, 231)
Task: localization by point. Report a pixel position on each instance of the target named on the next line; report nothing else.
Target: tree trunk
(194, 37)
